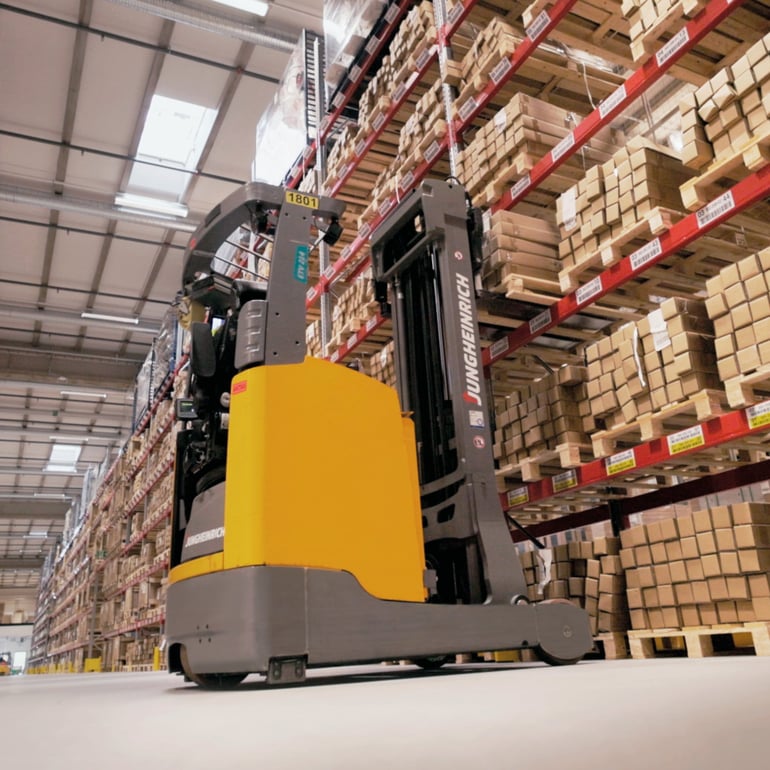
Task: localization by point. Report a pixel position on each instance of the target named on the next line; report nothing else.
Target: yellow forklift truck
(320, 517)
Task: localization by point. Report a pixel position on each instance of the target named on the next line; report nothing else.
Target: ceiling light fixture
(68, 439)
(106, 317)
(36, 534)
(152, 205)
(83, 393)
(257, 7)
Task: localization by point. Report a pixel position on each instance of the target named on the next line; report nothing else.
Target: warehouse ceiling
(85, 283)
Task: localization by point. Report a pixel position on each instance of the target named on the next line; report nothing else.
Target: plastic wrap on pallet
(166, 349)
(347, 24)
(282, 129)
(143, 394)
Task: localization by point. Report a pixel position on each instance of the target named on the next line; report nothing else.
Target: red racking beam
(718, 430)
(539, 30)
(393, 16)
(739, 197)
(635, 85)
(356, 339)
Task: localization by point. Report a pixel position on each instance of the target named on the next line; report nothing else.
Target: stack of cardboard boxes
(382, 366)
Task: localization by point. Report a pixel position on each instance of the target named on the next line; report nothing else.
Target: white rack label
(310, 294)
(538, 25)
(685, 439)
(365, 230)
(355, 72)
(371, 44)
(345, 169)
(371, 323)
(378, 121)
(454, 14)
(432, 151)
(500, 121)
(715, 209)
(618, 96)
(360, 147)
(622, 461)
(385, 207)
(500, 70)
(565, 480)
(346, 251)
(391, 13)
(329, 272)
(338, 99)
(499, 348)
(758, 415)
(520, 186)
(407, 181)
(335, 356)
(675, 44)
(518, 496)
(646, 254)
(399, 92)
(308, 151)
(590, 290)
(563, 147)
(352, 340)
(659, 330)
(539, 321)
(423, 58)
(467, 108)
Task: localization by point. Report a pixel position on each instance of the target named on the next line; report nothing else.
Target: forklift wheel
(553, 661)
(209, 681)
(432, 663)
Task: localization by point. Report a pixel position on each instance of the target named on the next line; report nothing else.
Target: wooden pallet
(700, 190)
(702, 405)
(547, 463)
(610, 252)
(669, 23)
(750, 388)
(698, 642)
(612, 645)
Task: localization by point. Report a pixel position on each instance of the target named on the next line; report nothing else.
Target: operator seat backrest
(203, 359)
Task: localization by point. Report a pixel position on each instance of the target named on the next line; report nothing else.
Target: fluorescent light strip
(114, 318)
(83, 393)
(153, 205)
(257, 7)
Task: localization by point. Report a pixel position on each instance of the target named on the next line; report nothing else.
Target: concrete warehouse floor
(664, 714)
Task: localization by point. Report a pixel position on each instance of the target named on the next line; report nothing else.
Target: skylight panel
(63, 457)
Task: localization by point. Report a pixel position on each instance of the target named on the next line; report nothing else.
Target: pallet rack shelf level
(157, 519)
(741, 196)
(355, 78)
(137, 578)
(722, 429)
(357, 338)
(433, 153)
(635, 85)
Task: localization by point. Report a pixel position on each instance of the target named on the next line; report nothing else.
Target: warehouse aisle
(671, 713)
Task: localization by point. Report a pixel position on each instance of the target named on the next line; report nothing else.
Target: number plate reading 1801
(301, 199)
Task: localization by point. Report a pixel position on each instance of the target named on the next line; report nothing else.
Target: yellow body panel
(200, 566)
(321, 472)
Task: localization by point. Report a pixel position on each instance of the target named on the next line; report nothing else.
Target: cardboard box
(759, 585)
(674, 550)
(576, 587)
(666, 595)
(639, 619)
(694, 569)
(721, 517)
(645, 576)
(761, 607)
(627, 558)
(690, 616)
(613, 603)
(706, 543)
(737, 587)
(727, 612)
(593, 569)
(730, 563)
(634, 596)
(670, 529)
(718, 589)
(650, 597)
(683, 593)
(752, 536)
(612, 584)
(725, 539)
(702, 521)
(654, 532)
(671, 617)
(655, 617)
(662, 573)
(711, 565)
(606, 546)
(658, 553)
(754, 560)
(592, 587)
(678, 572)
(745, 609)
(750, 513)
(611, 565)
(708, 614)
(690, 548)
(642, 555)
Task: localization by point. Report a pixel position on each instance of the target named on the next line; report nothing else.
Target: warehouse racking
(109, 568)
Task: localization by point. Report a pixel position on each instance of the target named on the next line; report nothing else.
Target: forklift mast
(423, 271)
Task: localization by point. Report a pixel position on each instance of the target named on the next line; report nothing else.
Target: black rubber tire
(210, 681)
(432, 663)
(554, 661)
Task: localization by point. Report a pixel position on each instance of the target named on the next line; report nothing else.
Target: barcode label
(371, 323)
(365, 230)
(399, 92)
(500, 71)
(675, 44)
(715, 209)
(540, 321)
(563, 147)
(589, 291)
(371, 44)
(432, 151)
(538, 25)
(407, 181)
(360, 147)
(518, 496)
(646, 254)
(378, 121)
(622, 461)
(454, 14)
(520, 187)
(391, 13)
(467, 109)
(684, 440)
(385, 207)
(499, 348)
(612, 101)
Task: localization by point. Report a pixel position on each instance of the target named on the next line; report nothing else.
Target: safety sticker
(476, 418)
(240, 387)
(566, 480)
(622, 461)
(758, 415)
(518, 496)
